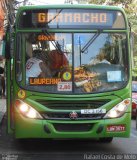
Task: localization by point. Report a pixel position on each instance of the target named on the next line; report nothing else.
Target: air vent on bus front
(72, 105)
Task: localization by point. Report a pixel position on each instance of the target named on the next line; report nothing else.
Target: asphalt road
(66, 149)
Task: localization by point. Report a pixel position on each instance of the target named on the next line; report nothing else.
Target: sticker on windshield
(67, 76)
(114, 76)
(64, 86)
(21, 94)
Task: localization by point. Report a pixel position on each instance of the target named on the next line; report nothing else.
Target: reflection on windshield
(74, 63)
(102, 62)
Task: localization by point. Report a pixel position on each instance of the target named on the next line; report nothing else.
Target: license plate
(64, 86)
(93, 111)
(116, 128)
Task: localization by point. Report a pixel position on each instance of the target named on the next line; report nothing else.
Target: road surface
(41, 149)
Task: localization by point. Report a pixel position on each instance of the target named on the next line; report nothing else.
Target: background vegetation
(130, 7)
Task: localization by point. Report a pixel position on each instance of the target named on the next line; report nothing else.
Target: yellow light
(31, 114)
(24, 108)
(126, 101)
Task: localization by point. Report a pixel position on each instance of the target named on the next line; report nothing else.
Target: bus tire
(106, 140)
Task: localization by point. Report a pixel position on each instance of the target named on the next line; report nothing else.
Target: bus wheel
(106, 140)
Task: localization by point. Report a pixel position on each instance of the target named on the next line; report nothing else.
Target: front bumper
(33, 128)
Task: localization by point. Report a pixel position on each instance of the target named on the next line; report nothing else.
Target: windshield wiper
(54, 43)
(91, 40)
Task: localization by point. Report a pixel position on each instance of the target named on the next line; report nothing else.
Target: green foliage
(130, 8)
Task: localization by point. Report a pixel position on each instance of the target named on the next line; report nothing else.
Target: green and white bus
(71, 75)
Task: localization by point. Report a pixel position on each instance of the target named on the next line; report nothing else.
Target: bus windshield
(70, 63)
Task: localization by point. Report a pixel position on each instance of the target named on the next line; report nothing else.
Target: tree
(130, 8)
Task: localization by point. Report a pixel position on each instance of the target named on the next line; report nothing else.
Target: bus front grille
(72, 105)
(73, 127)
(66, 116)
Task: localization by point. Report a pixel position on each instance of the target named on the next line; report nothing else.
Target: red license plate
(116, 128)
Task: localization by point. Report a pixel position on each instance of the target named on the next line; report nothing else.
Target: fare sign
(64, 86)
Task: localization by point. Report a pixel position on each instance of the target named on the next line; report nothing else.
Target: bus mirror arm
(7, 38)
(7, 51)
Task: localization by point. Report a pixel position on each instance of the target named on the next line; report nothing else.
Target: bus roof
(72, 6)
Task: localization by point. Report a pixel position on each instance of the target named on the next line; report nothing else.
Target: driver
(38, 65)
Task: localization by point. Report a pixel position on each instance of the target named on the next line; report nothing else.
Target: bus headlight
(27, 111)
(118, 110)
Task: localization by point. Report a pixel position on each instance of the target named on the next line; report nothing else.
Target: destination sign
(71, 18)
(100, 18)
(43, 81)
(51, 37)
